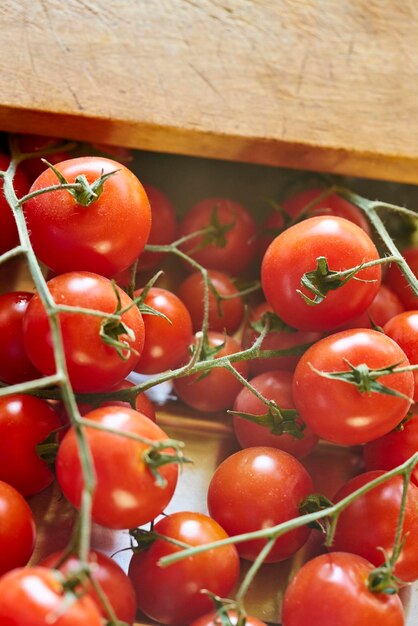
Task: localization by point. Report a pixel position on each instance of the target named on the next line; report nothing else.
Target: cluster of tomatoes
(335, 340)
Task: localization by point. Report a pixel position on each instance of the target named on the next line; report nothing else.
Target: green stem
(255, 566)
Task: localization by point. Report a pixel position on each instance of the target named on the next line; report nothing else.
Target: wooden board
(328, 85)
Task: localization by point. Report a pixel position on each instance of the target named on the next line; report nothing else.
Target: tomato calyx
(112, 328)
(155, 457)
(278, 421)
(364, 378)
(214, 233)
(86, 193)
(318, 502)
(275, 324)
(383, 580)
(223, 608)
(142, 539)
(48, 448)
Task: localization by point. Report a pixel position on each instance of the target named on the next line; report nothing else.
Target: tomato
(38, 143)
(166, 340)
(396, 281)
(224, 315)
(92, 365)
(17, 529)
(213, 619)
(394, 448)
(338, 411)
(126, 493)
(173, 594)
(295, 252)
(36, 596)
(25, 421)
(104, 237)
(257, 488)
(232, 247)
(277, 387)
(163, 228)
(15, 365)
(280, 337)
(216, 390)
(8, 233)
(332, 589)
(403, 328)
(113, 581)
(367, 526)
(385, 305)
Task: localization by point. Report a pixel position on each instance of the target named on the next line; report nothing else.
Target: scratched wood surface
(325, 85)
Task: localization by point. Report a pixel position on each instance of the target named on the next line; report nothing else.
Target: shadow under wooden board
(327, 86)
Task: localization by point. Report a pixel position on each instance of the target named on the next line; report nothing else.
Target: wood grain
(329, 85)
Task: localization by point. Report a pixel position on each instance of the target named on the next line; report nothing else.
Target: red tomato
(367, 526)
(332, 589)
(8, 233)
(163, 228)
(275, 386)
(257, 488)
(396, 281)
(104, 237)
(17, 529)
(113, 581)
(213, 619)
(396, 447)
(403, 329)
(130, 496)
(295, 252)
(338, 411)
(15, 365)
(92, 365)
(385, 305)
(224, 315)
(165, 341)
(217, 390)
(36, 596)
(173, 594)
(25, 421)
(231, 250)
(37, 143)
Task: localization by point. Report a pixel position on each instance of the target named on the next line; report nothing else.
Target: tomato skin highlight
(105, 237)
(172, 595)
(17, 529)
(337, 411)
(332, 589)
(125, 497)
(295, 251)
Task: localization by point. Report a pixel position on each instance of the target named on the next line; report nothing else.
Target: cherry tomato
(396, 447)
(92, 365)
(385, 305)
(277, 387)
(36, 596)
(173, 594)
(396, 281)
(223, 315)
(25, 421)
(232, 247)
(163, 228)
(338, 411)
(332, 589)
(367, 526)
(295, 252)
(8, 233)
(218, 389)
(128, 496)
(166, 340)
(403, 329)
(37, 143)
(113, 581)
(213, 619)
(104, 237)
(15, 365)
(17, 529)
(257, 488)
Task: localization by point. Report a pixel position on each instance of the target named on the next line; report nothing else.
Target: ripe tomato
(92, 365)
(36, 596)
(17, 529)
(275, 386)
(173, 594)
(396, 281)
(338, 411)
(213, 619)
(232, 248)
(367, 526)
(37, 143)
(217, 390)
(165, 341)
(295, 252)
(385, 305)
(257, 488)
(396, 447)
(332, 589)
(112, 579)
(224, 315)
(15, 365)
(403, 329)
(8, 233)
(163, 228)
(104, 237)
(25, 421)
(130, 496)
